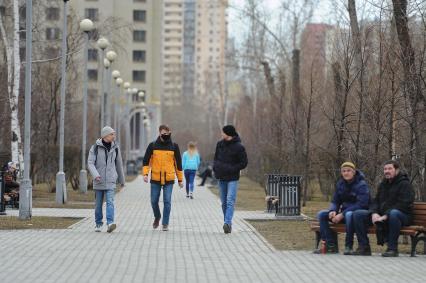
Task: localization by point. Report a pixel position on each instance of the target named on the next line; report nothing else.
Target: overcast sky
(236, 25)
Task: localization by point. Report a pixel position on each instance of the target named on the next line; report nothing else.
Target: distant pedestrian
(229, 159)
(106, 167)
(162, 159)
(190, 164)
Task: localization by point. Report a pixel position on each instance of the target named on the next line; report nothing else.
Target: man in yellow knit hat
(163, 160)
(352, 193)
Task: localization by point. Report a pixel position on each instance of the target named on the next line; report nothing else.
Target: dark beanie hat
(229, 130)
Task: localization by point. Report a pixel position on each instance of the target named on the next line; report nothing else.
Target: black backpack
(106, 153)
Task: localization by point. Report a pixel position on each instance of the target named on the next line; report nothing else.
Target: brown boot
(156, 223)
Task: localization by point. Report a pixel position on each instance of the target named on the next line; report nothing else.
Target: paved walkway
(194, 250)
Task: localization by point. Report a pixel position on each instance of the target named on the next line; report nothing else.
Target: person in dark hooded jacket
(229, 159)
(391, 209)
(352, 193)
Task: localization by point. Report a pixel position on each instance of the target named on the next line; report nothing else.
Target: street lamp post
(86, 26)
(111, 56)
(134, 92)
(102, 44)
(107, 64)
(115, 76)
(25, 191)
(118, 82)
(127, 128)
(61, 190)
(141, 95)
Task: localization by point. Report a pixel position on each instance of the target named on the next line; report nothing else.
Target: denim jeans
(396, 219)
(362, 219)
(167, 201)
(329, 235)
(189, 178)
(99, 199)
(228, 195)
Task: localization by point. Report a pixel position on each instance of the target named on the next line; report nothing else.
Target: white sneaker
(111, 227)
(98, 228)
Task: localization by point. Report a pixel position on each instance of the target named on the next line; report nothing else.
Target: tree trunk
(359, 65)
(412, 86)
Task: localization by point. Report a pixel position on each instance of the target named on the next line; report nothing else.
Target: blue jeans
(167, 201)
(396, 219)
(189, 178)
(329, 235)
(228, 195)
(362, 219)
(99, 199)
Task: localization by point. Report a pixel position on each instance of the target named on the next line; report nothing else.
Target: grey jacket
(108, 166)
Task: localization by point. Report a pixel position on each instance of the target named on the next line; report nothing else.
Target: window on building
(92, 54)
(139, 35)
(92, 75)
(22, 53)
(139, 1)
(139, 76)
(139, 55)
(2, 10)
(52, 14)
(22, 13)
(92, 13)
(139, 16)
(52, 33)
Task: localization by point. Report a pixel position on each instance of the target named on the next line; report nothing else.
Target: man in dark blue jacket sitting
(352, 193)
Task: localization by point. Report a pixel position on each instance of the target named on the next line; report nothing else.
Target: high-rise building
(133, 28)
(211, 37)
(172, 47)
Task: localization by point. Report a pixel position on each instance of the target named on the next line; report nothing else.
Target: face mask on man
(166, 137)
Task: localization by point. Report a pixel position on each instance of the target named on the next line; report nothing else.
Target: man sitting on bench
(11, 186)
(351, 193)
(389, 211)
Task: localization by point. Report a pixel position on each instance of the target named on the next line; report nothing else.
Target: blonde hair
(192, 148)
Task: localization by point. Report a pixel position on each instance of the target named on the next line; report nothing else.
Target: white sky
(236, 26)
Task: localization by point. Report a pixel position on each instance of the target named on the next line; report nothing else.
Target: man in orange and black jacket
(163, 160)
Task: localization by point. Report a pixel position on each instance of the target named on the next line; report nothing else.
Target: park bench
(417, 231)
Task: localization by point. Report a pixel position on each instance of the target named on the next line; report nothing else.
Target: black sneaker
(362, 251)
(227, 228)
(390, 253)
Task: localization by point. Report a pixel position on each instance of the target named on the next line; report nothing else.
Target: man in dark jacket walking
(229, 159)
(351, 193)
(391, 209)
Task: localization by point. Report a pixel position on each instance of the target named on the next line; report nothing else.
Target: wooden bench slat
(419, 205)
(420, 218)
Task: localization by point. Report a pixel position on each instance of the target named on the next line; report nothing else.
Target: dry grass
(42, 198)
(36, 222)
(250, 196)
